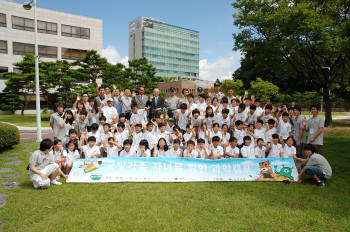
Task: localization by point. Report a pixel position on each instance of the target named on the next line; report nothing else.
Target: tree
(304, 44)
(263, 89)
(235, 85)
(141, 73)
(10, 101)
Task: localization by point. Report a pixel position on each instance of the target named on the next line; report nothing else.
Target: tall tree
(304, 43)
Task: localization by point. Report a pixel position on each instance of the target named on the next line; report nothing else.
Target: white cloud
(112, 55)
(222, 68)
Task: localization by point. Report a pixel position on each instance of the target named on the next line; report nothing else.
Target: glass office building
(173, 50)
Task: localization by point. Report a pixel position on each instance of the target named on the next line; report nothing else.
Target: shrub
(9, 136)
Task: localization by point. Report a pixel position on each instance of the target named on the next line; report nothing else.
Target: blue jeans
(313, 171)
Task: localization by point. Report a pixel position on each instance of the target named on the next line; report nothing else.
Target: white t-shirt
(146, 154)
(193, 154)
(239, 135)
(275, 151)
(195, 121)
(260, 133)
(221, 120)
(260, 152)
(89, 151)
(202, 153)
(71, 155)
(248, 152)
(121, 137)
(112, 151)
(172, 153)
(151, 138)
(225, 138)
(289, 151)
(97, 135)
(183, 120)
(269, 133)
(187, 136)
(140, 116)
(164, 135)
(162, 153)
(56, 154)
(136, 138)
(212, 134)
(109, 112)
(232, 151)
(131, 153)
(218, 151)
(284, 129)
(241, 116)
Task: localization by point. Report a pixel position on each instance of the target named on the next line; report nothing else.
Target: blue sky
(212, 18)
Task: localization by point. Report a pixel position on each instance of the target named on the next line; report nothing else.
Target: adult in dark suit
(156, 103)
(141, 99)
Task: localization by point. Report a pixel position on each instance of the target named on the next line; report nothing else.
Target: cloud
(112, 55)
(222, 68)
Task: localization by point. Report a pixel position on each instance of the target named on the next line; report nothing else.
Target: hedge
(9, 136)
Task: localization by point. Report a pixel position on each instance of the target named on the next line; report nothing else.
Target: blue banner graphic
(181, 170)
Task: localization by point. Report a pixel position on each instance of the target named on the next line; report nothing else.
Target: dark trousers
(313, 171)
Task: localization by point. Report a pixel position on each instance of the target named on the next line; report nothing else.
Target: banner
(120, 169)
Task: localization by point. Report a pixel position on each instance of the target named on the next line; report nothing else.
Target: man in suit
(141, 99)
(156, 103)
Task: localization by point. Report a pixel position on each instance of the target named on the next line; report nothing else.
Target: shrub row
(9, 136)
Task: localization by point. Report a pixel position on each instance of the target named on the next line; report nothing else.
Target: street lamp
(28, 6)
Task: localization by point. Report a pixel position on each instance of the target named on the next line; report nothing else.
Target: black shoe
(320, 184)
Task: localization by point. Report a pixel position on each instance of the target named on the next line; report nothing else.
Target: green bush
(9, 136)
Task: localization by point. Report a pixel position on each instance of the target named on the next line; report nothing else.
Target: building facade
(60, 35)
(173, 50)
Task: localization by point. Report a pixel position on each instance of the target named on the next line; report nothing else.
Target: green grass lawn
(209, 206)
(26, 120)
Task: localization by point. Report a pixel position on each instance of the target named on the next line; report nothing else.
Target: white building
(60, 35)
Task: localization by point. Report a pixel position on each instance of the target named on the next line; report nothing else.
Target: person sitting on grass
(315, 166)
(42, 168)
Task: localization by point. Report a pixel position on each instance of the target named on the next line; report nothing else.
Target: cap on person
(171, 119)
(199, 89)
(172, 89)
(110, 99)
(216, 84)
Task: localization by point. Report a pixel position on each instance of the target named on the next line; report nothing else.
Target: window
(47, 51)
(3, 46)
(22, 48)
(72, 54)
(22, 23)
(2, 20)
(76, 32)
(47, 27)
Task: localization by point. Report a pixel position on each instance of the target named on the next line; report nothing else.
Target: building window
(2, 20)
(22, 23)
(76, 32)
(47, 51)
(22, 48)
(72, 54)
(3, 46)
(47, 27)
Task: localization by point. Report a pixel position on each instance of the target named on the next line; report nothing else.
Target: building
(191, 86)
(173, 50)
(60, 35)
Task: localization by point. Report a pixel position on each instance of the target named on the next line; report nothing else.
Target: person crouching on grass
(42, 168)
(315, 166)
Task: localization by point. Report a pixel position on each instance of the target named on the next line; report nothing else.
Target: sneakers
(55, 182)
(320, 184)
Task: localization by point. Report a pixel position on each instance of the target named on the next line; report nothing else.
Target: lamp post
(28, 6)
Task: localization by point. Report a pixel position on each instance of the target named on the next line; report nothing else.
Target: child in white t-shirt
(128, 150)
(175, 150)
(275, 149)
(216, 151)
(232, 151)
(288, 148)
(259, 131)
(110, 147)
(260, 149)
(284, 127)
(71, 153)
(190, 152)
(202, 149)
(248, 149)
(143, 150)
(215, 131)
(90, 150)
(239, 133)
